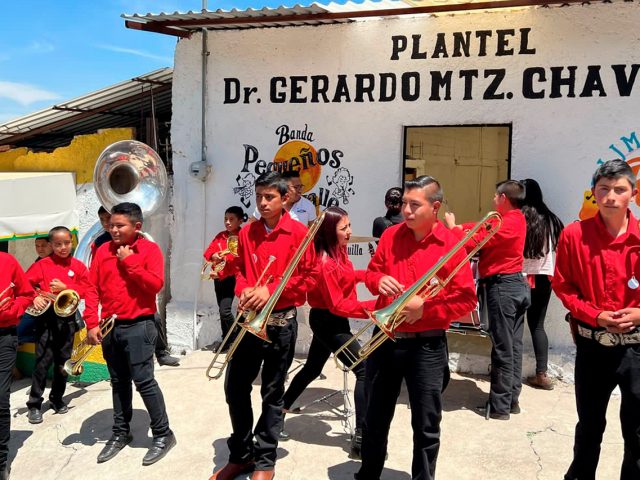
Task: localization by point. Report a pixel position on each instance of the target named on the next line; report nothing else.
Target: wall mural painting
(626, 148)
(325, 179)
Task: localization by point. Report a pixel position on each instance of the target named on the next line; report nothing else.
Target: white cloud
(138, 53)
(24, 93)
(40, 47)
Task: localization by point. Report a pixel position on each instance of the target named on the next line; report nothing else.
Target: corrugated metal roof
(120, 105)
(182, 24)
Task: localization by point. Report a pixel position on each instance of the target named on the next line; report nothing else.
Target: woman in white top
(543, 230)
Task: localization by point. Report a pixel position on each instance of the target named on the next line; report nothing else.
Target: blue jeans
(422, 363)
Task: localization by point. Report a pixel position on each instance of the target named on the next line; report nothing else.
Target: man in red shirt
(419, 355)
(128, 272)
(16, 295)
(54, 334)
(269, 243)
(506, 297)
(596, 278)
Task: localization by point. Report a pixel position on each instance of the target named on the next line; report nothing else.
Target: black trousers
(54, 337)
(275, 358)
(162, 345)
(8, 352)
(224, 296)
(598, 370)
(330, 332)
(536, 314)
(422, 363)
(507, 302)
(128, 350)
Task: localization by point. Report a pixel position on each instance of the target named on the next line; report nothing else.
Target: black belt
(8, 331)
(424, 334)
(127, 321)
(501, 277)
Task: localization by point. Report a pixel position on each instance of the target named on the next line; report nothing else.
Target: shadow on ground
(97, 429)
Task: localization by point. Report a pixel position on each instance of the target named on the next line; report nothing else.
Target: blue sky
(51, 51)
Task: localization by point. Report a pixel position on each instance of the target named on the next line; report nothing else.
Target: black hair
(513, 190)
(393, 196)
(238, 212)
(103, 211)
(290, 174)
(326, 240)
(130, 210)
(543, 226)
(273, 180)
(424, 181)
(614, 169)
(55, 230)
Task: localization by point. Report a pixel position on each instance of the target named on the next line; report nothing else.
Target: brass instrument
(64, 303)
(208, 271)
(256, 322)
(74, 366)
(6, 300)
(428, 286)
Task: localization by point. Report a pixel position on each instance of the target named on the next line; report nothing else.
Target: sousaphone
(126, 171)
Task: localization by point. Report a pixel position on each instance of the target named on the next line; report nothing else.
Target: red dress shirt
(218, 244)
(405, 259)
(22, 294)
(256, 245)
(70, 271)
(335, 287)
(593, 268)
(126, 287)
(504, 253)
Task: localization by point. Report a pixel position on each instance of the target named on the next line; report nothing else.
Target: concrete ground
(535, 444)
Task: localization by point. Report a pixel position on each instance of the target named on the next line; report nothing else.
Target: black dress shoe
(159, 449)
(515, 408)
(113, 447)
(283, 436)
(60, 408)
(4, 474)
(356, 445)
(34, 416)
(168, 360)
(486, 411)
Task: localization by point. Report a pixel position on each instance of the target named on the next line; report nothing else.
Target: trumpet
(210, 271)
(6, 300)
(256, 322)
(74, 366)
(65, 303)
(388, 318)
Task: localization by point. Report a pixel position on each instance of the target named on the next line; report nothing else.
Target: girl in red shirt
(225, 280)
(332, 302)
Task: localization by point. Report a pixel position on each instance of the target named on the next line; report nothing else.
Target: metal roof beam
(16, 137)
(90, 110)
(155, 28)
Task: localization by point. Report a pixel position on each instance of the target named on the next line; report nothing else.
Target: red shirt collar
(436, 234)
(283, 224)
(65, 262)
(632, 227)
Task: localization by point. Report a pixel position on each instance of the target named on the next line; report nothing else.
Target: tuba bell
(126, 171)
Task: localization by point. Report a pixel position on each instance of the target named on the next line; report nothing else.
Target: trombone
(256, 322)
(388, 318)
(65, 303)
(2, 294)
(210, 271)
(74, 366)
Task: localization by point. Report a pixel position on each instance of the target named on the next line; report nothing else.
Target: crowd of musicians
(285, 257)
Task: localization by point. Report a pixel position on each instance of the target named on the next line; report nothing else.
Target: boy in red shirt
(507, 296)
(277, 235)
(54, 335)
(16, 295)
(596, 278)
(128, 272)
(419, 355)
(27, 325)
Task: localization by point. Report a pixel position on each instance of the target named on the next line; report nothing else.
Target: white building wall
(554, 140)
